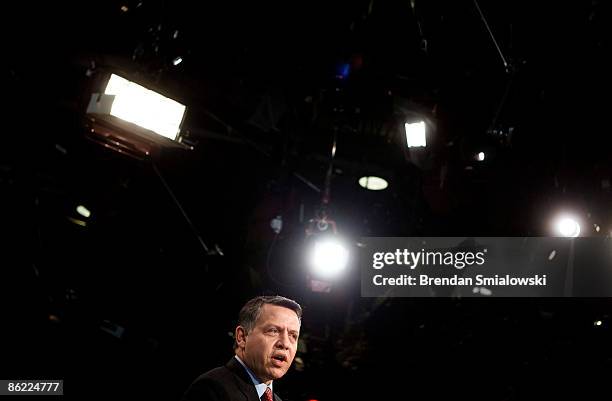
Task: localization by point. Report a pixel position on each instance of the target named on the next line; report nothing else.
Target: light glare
(143, 107)
(83, 211)
(373, 183)
(415, 134)
(568, 227)
(329, 258)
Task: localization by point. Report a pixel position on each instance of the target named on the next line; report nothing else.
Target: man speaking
(266, 342)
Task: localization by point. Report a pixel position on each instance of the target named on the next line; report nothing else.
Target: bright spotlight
(83, 211)
(480, 156)
(567, 226)
(415, 134)
(329, 258)
(141, 106)
(373, 183)
(177, 61)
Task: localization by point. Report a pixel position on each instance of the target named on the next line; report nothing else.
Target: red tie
(267, 395)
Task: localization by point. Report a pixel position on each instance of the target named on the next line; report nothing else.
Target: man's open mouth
(280, 358)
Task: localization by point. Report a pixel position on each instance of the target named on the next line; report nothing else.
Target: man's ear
(240, 336)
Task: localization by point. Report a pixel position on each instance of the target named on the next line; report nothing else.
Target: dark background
(264, 97)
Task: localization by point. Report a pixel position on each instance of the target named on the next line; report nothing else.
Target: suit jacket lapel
(243, 381)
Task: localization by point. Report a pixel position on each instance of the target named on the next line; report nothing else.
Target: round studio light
(83, 211)
(329, 258)
(567, 226)
(373, 183)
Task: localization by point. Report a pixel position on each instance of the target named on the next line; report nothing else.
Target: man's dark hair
(251, 311)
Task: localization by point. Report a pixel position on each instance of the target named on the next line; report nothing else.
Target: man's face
(268, 350)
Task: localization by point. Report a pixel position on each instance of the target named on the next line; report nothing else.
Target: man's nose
(283, 340)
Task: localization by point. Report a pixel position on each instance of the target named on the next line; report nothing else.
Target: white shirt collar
(259, 386)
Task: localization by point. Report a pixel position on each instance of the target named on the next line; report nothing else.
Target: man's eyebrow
(276, 326)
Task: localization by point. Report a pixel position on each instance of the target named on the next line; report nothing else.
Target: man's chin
(276, 373)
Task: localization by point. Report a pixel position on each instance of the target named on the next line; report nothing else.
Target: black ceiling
(263, 78)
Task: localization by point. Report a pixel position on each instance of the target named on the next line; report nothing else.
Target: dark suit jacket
(226, 383)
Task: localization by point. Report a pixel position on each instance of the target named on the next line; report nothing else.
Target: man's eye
(273, 330)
